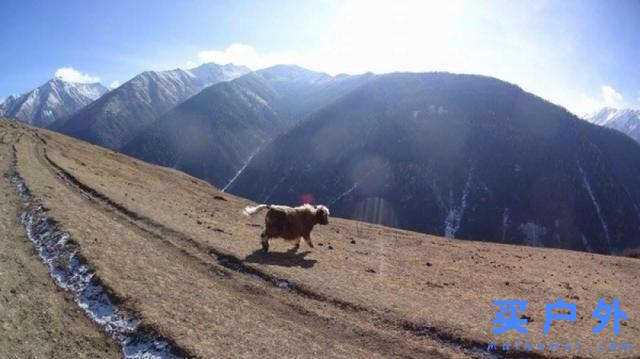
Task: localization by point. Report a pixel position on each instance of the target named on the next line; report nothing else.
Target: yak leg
(296, 245)
(264, 240)
(307, 238)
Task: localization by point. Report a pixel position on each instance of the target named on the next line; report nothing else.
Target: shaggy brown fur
(290, 223)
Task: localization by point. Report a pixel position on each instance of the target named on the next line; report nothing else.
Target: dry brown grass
(359, 293)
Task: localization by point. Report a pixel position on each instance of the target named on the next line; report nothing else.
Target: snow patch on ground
(355, 185)
(533, 233)
(246, 163)
(596, 205)
(283, 284)
(505, 223)
(586, 244)
(91, 91)
(454, 215)
(440, 110)
(71, 273)
(280, 181)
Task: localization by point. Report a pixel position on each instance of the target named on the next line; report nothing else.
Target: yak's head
(322, 214)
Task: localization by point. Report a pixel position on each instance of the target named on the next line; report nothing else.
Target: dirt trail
(37, 320)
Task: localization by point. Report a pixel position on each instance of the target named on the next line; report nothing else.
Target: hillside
(178, 255)
(114, 119)
(461, 156)
(214, 134)
(53, 101)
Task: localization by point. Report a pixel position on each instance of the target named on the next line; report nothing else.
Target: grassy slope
(357, 299)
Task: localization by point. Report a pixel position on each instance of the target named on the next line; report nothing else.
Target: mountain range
(114, 119)
(54, 100)
(462, 156)
(213, 134)
(626, 121)
(458, 155)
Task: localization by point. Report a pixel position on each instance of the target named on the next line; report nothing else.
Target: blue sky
(579, 54)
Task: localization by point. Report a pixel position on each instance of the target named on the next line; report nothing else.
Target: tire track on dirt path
(229, 261)
(71, 272)
(37, 320)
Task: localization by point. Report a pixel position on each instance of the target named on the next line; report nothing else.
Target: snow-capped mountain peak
(623, 120)
(53, 100)
(115, 118)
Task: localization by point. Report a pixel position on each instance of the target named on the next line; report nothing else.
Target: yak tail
(250, 211)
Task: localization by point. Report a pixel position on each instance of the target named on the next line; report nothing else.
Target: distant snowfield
(626, 121)
(246, 163)
(54, 99)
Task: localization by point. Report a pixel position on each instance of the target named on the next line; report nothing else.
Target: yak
(289, 223)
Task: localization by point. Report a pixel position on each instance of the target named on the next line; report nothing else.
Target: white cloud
(72, 75)
(242, 54)
(114, 84)
(586, 105)
(609, 97)
(612, 98)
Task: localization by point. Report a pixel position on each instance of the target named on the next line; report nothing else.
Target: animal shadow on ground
(283, 259)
